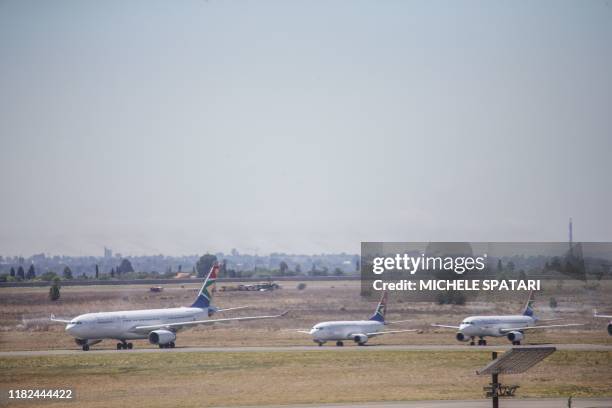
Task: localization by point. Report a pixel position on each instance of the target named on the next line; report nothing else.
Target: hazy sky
(180, 127)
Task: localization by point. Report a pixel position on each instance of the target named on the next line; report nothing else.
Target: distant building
(108, 253)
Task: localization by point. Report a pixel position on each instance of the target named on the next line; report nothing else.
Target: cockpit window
(75, 322)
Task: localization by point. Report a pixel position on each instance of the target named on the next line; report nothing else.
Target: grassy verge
(261, 378)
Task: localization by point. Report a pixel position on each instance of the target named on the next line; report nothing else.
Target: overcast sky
(181, 127)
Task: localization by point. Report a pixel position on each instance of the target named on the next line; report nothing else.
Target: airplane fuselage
(344, 330)
(493, 326)
(120, 325)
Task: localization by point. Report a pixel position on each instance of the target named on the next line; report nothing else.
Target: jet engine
(610, 328)
(161, 337)
(461, 337)
(515, 336)
(360, 339)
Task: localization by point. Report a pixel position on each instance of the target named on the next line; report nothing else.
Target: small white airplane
(512, 327)
(360, 331)
(604, 317)
(159, 326)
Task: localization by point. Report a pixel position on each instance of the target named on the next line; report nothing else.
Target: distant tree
(180, 268)
(12, 271)
(552, 303)
(301, 286)
(54, 290)
(510, 266)
(125, 266)
(112, 272)
(283, 267)
(67, 274)
(31, 272)
(357, 265)
(20, 273)
(338, 272)
(223, 267)
(522, 275)
(97, 272)
(204, 264)
(500, 266)
(298, 268)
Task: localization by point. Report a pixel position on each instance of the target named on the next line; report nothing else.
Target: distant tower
(108, 253)
(571, 234)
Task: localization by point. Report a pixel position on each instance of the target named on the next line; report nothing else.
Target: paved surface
(504, 403)
(458, 347)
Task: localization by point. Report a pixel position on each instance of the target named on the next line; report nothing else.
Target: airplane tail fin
(381, 309)
(528, 308)
(204, 299)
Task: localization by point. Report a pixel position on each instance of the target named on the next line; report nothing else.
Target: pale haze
(303, 127)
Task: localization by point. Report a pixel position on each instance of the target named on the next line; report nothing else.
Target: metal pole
(494, 383)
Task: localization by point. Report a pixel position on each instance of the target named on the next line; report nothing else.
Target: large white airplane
(159, 326)
(604, 317)
(360, 331)
(512, 327)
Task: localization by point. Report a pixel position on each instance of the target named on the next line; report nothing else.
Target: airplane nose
(70, 328)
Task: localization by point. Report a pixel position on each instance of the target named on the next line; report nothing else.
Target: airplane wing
(53, 319)
(232, 308)
(389, 332)
(602, 316)
(179, 325)
(539, 327)
(303, 331)
(446, 326)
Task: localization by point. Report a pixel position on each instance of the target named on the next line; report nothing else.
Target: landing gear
(85, 347)
(320, 343)
(124, 346)
(361, 344)
(339, 343)
(516, 343)
(482, 342)
(167, 345)
(472, 341)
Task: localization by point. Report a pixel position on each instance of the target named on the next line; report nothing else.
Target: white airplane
(159, 326)
(360, 331)
(604, 317)
(512, 327)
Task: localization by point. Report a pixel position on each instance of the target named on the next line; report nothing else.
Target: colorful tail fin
(381, 309)
(204, 299)
(528, 309)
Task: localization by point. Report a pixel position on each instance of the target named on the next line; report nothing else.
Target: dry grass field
(24, 314)
(263, 378)
(257, 378)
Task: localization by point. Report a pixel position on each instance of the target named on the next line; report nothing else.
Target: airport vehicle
(159, 326)
(512, 327)
(360, 331)
(604, 317)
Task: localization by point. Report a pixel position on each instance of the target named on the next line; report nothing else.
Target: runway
(290, 349)
(506, 403)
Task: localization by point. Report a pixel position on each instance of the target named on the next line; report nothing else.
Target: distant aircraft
(159, 326)
(360, 331)
(604, 317)
(509, 326)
